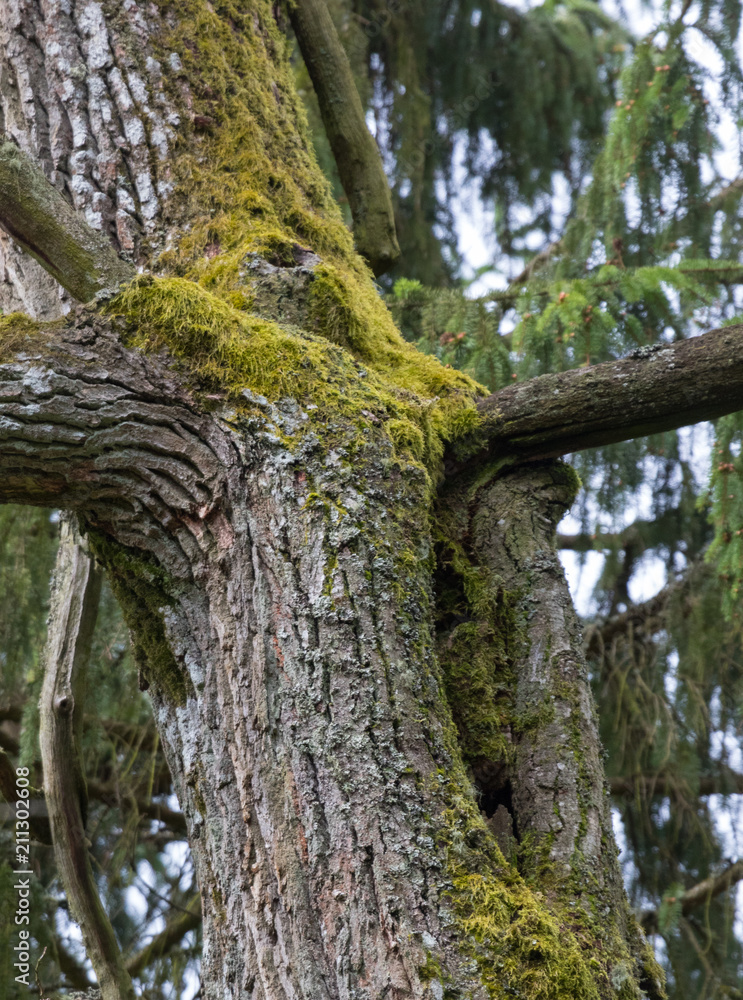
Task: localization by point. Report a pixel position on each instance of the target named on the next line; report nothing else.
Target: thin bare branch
(74, 607)
(174, 932)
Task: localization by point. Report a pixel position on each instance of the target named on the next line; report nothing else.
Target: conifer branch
(713, 886)
(355, 151)
(726, 782)
(107, 794)
(37, 217)
(38, 824)
(74, 607)
(74, 973)
(537, 262)
(642, 534)
(637, 616)
(699, 894)
(11, 712)
(173, 933)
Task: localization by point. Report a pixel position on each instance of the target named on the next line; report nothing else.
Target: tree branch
(727, 782)
(598, 636)
(641, 534)
(74, 607)
(355, 151)
(176, 821)
(653, 390)
(38, 824)
(39, 219)
(174, 932)
(698, 895)
(713, 886)
(90, 425)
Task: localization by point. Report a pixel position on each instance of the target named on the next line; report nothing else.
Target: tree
(335, 555)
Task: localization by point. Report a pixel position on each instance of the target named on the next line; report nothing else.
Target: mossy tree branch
(74, 608)
(652, 390)
(39, 219)
(356, 154)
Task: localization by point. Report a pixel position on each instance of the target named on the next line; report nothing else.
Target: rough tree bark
(368, 682)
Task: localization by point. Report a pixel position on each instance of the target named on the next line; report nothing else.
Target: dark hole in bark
(496, 800)
(492, 782)
(300, 257)
(491, 798)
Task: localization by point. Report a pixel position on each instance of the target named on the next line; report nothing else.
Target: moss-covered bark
(516, 675)
(259, 480)
(356, 155)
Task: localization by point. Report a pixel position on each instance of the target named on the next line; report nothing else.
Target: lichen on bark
(526, 730)
(268, 524)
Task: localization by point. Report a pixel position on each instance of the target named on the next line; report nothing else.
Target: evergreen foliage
(143, 869)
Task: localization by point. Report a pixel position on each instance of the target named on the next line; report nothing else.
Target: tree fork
(280, 602)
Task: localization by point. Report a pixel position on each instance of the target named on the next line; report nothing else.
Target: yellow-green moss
(18, 331)
(526, 942)
(545, 938)
(228, 349)
(480, 637)
(245, 174)
(525, 950)
(246, 182)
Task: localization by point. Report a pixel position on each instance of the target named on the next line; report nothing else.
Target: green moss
(548, 936)
(227, 349)
(521, 948)
(18, 331)
(527, 941)
(246, 183)
(431, 969)
(564, 474)
(219, 909)
(199, 803)
(480, 635)
(478, 691)
(246, 179)
(141, 589)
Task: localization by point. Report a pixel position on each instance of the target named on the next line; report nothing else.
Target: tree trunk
(252, 452)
